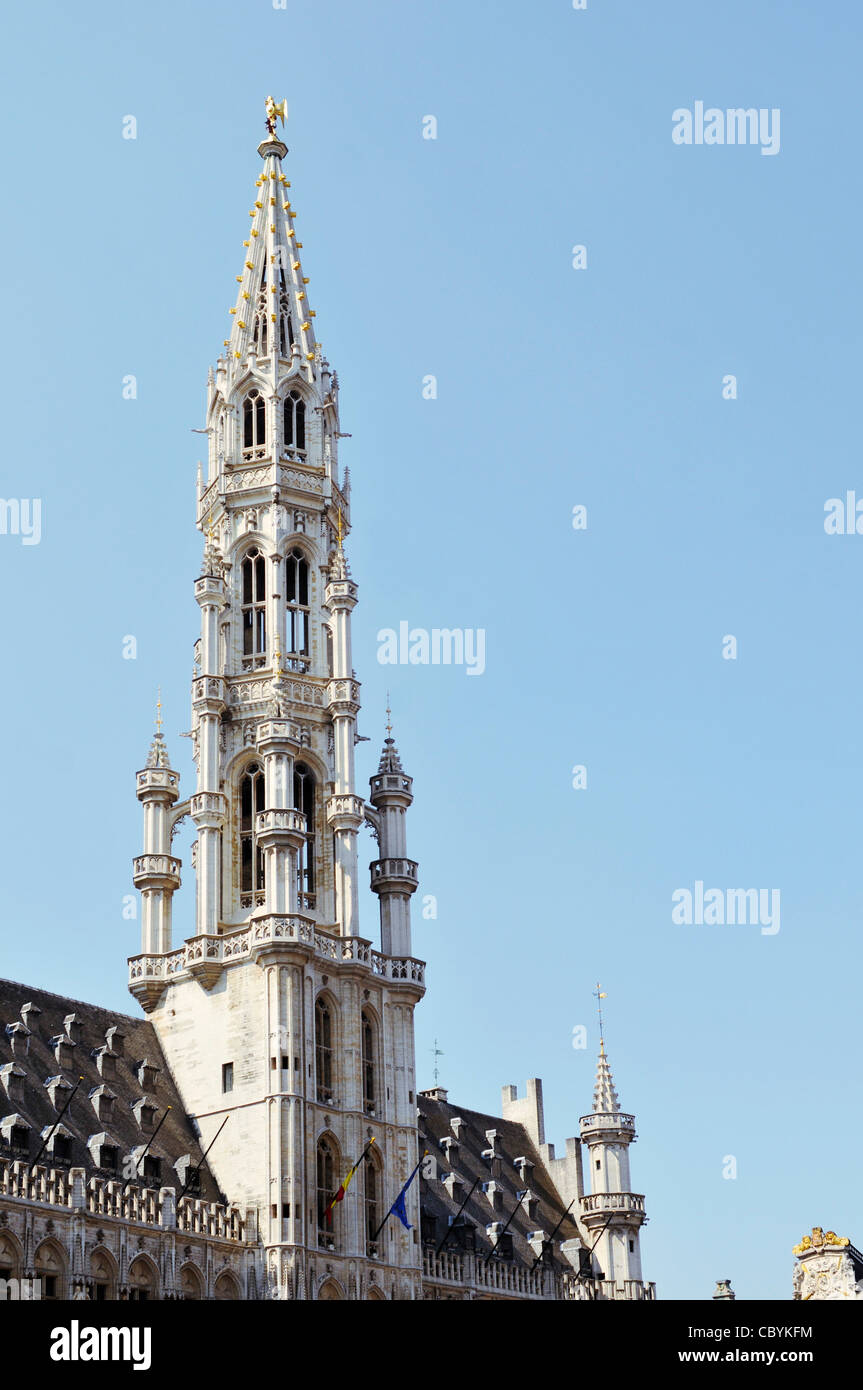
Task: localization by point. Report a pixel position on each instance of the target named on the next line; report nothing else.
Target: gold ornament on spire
(275, 109)
(159, 711)
(340, 530)
(389, 718)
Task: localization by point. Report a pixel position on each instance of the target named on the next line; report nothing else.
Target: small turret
(394, 876)
(155, 872)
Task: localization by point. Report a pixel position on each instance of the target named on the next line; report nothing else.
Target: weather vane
(437, 1053)
(274, 109)
(599, 994)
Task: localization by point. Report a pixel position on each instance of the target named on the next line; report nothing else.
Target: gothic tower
(612, 1214)
(290, 1038)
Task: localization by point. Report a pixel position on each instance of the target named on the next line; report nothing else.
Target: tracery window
(371, 1203)
(297, 615)
(323, 1050)
(304, 800)
(368, 1063)
(252, 799)
(327, 1180)
(254, 610)
(295, 422)
(254, 425)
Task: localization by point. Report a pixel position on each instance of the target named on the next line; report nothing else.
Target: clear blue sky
(556, 387)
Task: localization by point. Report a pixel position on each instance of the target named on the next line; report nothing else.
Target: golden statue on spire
(274, 109)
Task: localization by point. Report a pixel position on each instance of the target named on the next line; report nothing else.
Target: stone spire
(605, 1099)
(271, 314)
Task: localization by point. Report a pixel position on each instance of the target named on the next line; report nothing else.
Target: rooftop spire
(271, 314)
(390, 760)
(158, 754)
(605, 1099)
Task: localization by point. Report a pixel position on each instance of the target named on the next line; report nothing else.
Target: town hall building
(247, 1135)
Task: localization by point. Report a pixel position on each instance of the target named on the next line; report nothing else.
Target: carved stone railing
(274, 929)
(492, 1276)
(606, 1202)
(607, 1119)
(606, 1290)
(109, 1197)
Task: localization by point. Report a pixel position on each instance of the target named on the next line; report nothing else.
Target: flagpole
(448, 1231)
(350, 1174)
(401, 1190)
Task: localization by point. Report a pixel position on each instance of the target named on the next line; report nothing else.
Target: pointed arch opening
(254, 425)
(325, 1048)
(297, 610)
(328, 1164)
(369, 1054)
(371, 1190)
(252, 798)
(254, 610)
(305, 800)
(295, 422)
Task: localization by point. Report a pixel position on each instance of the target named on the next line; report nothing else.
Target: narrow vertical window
(323, 1051)
(368, 1053)
(254, 610)
(295, 422)
(304, 800)
(371, 1204)
(326, 1180)
(252, 800)
(255, 417)
(298, 613)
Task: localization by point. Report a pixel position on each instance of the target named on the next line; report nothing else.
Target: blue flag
(398, 1206)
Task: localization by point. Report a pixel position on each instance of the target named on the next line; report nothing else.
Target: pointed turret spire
(158, 754)
(605, 1101)
(271, 314)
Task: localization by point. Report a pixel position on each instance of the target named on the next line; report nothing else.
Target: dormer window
(72, 1024)
(108, 1157)
(147, 1074)
(19, 1038)
(64, 1050)
(12, 1079)
(103, 1102)
(58, 1088)
(144, 1111)
(19, 1139)
(58, 1142)
(115, 1040)
(152, 1170)
(16, 1131)
(106, 1062)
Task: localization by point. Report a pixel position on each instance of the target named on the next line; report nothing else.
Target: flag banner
(340, 1195)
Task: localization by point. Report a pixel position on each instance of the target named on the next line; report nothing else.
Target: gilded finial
(389, 718)
(599, 994)
(159, 711)
(275, 109)
(277, 660)
(340, 530)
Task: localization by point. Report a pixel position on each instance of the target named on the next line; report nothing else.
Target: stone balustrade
(301, 930)
(109, 1197)
(607, 1202)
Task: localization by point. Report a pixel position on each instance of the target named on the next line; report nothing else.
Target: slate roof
(434, 1118)
(135, 1041)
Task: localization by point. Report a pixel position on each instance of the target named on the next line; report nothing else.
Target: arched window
(327, 1188)
(254, 421)
(297, 610)
(323, 1050)
(370, 1090)
(254, 608)
(295, 422)
(371, 1204)
(261, 337)
(252, 797)
(304, 800)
